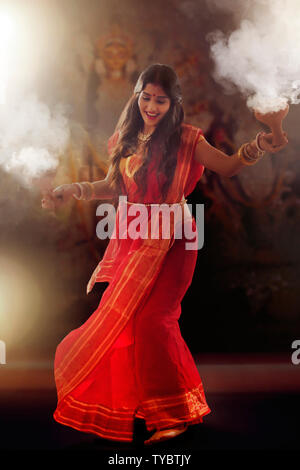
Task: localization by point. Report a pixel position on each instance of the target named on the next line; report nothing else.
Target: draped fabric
(129, 359)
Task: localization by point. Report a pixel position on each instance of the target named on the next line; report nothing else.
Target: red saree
(129, 359)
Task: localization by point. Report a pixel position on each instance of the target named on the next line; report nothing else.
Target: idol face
(153, 105)
(115, 56)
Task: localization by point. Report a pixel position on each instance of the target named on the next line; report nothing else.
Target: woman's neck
(148, 130)
(140, 149)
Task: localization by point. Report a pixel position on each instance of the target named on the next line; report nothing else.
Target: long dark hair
(164, 141)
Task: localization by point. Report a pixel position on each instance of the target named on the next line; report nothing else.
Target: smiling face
(153, 105)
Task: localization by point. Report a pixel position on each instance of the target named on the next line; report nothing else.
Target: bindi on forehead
(153, 94)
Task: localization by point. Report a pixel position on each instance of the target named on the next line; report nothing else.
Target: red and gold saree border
(118, 424)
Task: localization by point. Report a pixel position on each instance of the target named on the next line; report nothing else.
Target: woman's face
(153, 105)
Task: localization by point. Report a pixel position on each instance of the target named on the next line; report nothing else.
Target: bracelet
(90, 190)
(261, 151)
(241, 155)
(80, 191)
(247, 155)
(249, 158)
(87, 191)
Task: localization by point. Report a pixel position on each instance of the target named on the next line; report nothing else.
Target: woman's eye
(148, 99)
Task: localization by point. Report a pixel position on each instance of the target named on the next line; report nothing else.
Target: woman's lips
(151, 117)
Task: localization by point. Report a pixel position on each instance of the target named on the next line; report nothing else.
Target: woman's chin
(149, 124)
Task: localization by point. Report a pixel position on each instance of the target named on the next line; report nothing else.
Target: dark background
(244, 295)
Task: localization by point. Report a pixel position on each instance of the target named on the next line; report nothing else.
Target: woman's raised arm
(248, 154)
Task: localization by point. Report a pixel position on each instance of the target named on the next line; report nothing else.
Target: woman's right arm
(102, 189)
(62, 194)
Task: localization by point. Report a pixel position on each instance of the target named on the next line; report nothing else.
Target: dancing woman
(129, 359)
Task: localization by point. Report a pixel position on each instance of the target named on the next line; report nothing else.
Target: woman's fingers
(269, 147)
(58, 197)
(286, 138)
(47, 202)
(63, 193)
(277, 148)
(53, 199)
(58, 193)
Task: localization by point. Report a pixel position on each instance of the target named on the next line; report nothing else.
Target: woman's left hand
(265, 142)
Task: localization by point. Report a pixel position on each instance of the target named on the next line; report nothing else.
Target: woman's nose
(151, 106)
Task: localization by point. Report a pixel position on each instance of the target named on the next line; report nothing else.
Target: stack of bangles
(86, 191)
(246, 157)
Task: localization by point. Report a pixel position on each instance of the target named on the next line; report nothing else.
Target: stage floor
(254, 401)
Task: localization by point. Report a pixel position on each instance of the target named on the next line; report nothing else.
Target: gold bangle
(84, 194)
(87, 191)
(92, 190)
(80, 191)
(241, 156)
(261, 151)
(247, 155)
(249, 158)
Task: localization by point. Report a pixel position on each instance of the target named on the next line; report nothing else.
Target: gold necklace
(143, 137)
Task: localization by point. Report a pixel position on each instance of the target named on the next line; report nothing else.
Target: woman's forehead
(154, 90)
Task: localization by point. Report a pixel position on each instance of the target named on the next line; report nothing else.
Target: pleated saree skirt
(148, 372)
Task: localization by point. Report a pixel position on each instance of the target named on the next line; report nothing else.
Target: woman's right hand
(58, 196)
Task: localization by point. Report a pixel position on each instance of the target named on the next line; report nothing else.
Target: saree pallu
(129, 359)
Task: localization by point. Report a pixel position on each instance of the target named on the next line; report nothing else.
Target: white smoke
(261, 57)
(31, 137)
(33, 134)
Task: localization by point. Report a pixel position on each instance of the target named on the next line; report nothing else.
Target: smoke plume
(31, 137)
(261, 56)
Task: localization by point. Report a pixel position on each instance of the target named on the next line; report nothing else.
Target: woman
(129, 359)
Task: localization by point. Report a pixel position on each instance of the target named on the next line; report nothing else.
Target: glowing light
(2, 352)
(20, 300)
(32, 136)
(7, 27)
(7, 33)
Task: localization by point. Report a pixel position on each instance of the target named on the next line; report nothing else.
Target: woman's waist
(160, 216)
(153, 210)
(151, 203)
